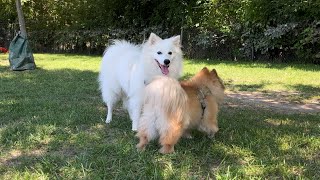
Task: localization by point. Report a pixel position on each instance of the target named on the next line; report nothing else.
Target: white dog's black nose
(166, 61)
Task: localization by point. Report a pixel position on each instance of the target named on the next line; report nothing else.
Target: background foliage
(282, 30)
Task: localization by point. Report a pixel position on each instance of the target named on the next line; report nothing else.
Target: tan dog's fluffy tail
(167, 95)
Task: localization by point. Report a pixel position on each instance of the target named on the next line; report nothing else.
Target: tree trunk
(22, 23)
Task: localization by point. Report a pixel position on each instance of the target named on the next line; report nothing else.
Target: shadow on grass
(252, 140)
(39, 92)
(246, 87)
(305, 92)
(306, 88)
(58, 114)
(299, 93)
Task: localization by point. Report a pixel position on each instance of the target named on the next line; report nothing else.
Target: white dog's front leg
(135, 115)
(109, 113)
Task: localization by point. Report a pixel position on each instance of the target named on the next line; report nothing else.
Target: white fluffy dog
(126, 68)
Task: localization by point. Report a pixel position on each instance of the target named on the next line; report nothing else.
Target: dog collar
(202, 94)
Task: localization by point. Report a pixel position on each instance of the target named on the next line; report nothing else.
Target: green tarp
(20, 54)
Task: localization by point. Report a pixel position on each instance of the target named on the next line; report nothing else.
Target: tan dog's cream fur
(172, 108)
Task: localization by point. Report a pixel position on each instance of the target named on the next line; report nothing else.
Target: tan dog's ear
(214, 73)
(205, 69)
(203, 73)
(153, 38)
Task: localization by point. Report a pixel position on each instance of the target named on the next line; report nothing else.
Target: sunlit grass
(278, 77)
(52, 127)
(299, 83)
(61, 61)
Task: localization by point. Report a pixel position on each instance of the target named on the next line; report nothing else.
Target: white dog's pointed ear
(176, 40)
(153, 38)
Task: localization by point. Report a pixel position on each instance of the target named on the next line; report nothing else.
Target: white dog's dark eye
(159, 52)
(170, 53)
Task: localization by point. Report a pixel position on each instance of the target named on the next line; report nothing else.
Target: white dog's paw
(108, 120)
(134, 126)
(135, 129)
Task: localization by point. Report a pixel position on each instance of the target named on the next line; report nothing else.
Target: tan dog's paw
(212, 134)
(187, 135)
(143, 141)
(166, 149)
(141, 147)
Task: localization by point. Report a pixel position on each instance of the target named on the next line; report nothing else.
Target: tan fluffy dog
(172, 108)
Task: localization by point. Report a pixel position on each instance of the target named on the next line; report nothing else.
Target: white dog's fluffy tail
(167, 97)
(121, 45)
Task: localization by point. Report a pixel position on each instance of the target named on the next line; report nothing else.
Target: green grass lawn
(302, 81)
(52, 127)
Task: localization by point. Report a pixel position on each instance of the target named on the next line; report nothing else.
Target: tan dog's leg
(143, 140)
(170, 136)
(210, 123)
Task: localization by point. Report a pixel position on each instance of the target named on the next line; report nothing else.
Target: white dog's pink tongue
(164, 69)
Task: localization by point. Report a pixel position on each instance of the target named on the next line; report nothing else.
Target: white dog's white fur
(126, 68)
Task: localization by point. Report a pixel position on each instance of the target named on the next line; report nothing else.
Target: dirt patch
(14, 156)
(274, 103)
